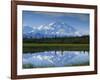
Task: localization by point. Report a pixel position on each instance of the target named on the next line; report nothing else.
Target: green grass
(35, 47)
(45, 44)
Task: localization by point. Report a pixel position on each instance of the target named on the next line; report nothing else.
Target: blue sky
(79, 21)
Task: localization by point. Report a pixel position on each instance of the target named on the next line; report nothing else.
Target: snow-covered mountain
(55, 29)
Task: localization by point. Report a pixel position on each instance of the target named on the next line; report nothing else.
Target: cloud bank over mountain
(54, 29)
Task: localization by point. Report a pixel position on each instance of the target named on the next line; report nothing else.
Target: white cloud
(41, 58)
(77, 33)
(40, 27)
(76, 52)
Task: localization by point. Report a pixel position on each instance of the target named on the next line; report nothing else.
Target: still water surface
(55, 59)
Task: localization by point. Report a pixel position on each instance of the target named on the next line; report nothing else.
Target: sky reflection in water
(56, 58)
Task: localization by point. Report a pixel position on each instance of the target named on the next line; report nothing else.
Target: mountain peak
(58, 28)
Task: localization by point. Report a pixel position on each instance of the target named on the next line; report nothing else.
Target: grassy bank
(50, 45)
(34, 47)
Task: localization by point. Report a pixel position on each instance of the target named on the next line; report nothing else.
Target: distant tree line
(69, 40)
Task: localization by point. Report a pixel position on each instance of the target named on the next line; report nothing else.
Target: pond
(46, 59)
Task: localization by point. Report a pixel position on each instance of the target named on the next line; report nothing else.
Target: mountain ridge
(54, 29)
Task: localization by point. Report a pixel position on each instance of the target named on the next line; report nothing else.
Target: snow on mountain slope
(58, 29)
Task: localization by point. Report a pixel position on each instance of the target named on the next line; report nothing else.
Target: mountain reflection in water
(55, 59)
